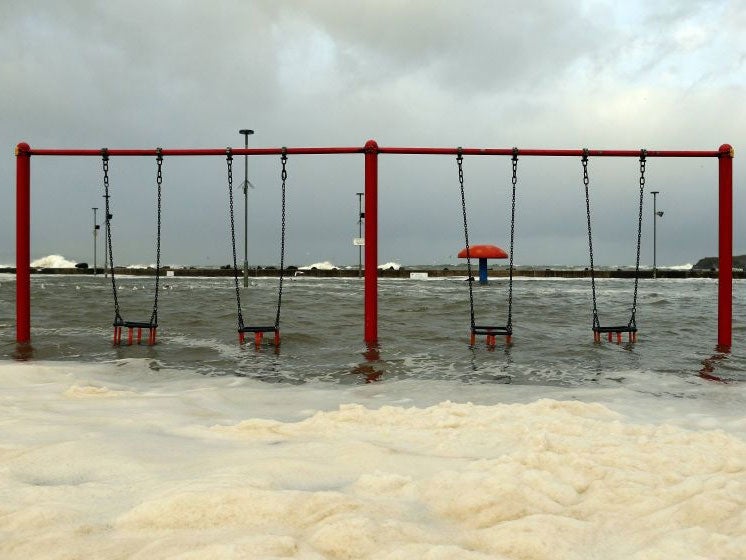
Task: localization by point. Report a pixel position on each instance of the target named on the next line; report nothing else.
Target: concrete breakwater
(403, 272)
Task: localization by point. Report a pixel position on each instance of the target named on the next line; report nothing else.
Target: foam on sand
(177, 468)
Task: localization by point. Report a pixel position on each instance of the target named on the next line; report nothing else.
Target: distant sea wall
(392, 273)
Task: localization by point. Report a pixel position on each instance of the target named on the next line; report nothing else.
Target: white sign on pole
(358, 241)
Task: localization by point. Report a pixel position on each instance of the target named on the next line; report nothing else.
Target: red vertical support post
(23, 243)
(371, 243)
(725, 254)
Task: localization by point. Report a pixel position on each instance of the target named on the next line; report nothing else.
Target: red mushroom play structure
(483, 252)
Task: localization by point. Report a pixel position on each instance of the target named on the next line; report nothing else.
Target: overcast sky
(539, 74)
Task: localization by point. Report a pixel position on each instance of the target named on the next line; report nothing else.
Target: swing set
(371, 152)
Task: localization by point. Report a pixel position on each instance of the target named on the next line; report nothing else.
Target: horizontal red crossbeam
(189, 151)
(23, 148)
(542, 152)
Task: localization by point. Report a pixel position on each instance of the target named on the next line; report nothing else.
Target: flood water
(554, 447)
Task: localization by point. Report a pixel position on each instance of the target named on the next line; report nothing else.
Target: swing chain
(643, 158)
(470, 279)
(105, 165)
(514, 180)
(283, 176)
(159, 182)
(229, 160)
(586, 182)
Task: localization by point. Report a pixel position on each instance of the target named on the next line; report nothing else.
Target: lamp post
(246, 133)
(360, 217)
(656, 214)
(95, 234)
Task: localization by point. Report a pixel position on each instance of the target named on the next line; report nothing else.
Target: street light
(246, 133)
(360, 217)
(656, 214)
(95, 234)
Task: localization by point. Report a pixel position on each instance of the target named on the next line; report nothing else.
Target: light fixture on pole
(360, 218)
(246, 133)
(95, 234)
(656, 214)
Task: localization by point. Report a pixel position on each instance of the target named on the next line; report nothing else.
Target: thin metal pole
(360, 216)
(95, 235)
(246, 133)
(655, 221)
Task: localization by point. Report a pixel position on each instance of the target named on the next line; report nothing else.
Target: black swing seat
(258, 329)
(619, 329)
(136, 324)
(497, 331)
(259, 334)
(131, 326)
(630, 329)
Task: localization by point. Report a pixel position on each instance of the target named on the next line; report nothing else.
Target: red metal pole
(544, 152)
(381, 150)
(23, 244)
(194, 151)
(725, 257)
(371, 243)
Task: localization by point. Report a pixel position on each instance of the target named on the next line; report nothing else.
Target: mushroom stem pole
(483, 272)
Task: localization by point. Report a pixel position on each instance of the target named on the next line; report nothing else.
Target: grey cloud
(190, 74)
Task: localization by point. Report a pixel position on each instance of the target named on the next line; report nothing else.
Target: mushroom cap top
(483, 252)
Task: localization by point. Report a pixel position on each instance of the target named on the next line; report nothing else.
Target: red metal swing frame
(371, 151)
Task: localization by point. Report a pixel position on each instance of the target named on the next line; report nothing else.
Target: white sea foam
(687, 266)
(114, 461)
(386, 266)
(52, 261)
(326, 265)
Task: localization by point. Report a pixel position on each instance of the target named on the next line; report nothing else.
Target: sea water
(551, 448)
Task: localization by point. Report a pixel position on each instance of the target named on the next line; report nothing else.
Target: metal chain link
(159, 181)
(586, 181)
(105, 164)
(229, 162)
(514, 181)
(459, 163)
(643, 157)
(283, 176)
